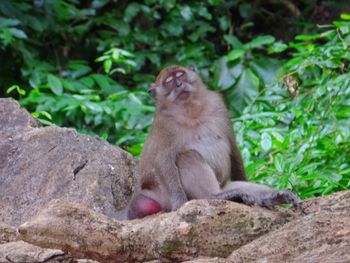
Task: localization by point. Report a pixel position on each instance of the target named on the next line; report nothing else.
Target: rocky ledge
(60, 193)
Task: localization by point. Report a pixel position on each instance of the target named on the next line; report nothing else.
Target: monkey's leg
(250, 194)
(197, 177)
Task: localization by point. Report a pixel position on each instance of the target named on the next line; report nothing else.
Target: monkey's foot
(279, 197)
(264, 198)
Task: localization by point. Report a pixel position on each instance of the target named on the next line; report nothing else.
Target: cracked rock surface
(38, 164)
(60, 192)
(199, 228)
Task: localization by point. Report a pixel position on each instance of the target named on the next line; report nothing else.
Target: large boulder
(38, 164)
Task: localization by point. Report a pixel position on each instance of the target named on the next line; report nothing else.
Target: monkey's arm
(255, 194)
(237, 168)
(171, 181)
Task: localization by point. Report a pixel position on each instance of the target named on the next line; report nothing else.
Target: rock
(338, 203)
(321, 236)
(14, 119)
(201, 231)
(7, 233)
(207, 260)
(19, 252)
(199, 228)
(67, 187)
(38, 164)
(86, 261)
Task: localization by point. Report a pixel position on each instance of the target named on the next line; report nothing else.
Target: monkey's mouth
(183, 95)
(180, 93)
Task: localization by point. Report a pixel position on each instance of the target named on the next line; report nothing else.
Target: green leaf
(131, 11)
(94, 107)
(266, 142)
(234, 41)
(55, 84)
(102, 81)
(245, 89)
(279, 163)
(45, 122)
(18, 33)
(46, 114)
(186, 12)
(7, 22)
(203, 11)
(37, 114)
(259, 42)
(17, 88)
(214, 2)
(12, 88)
(277, 47)
(345, 16)
(35, 23)
(344, 27)
(309, 37)
(227, 75)
(266, 68)
(245, 9)
(235, 54)
(278, 136)
(107, 65)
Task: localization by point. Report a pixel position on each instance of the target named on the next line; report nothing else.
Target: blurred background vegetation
(282, 66)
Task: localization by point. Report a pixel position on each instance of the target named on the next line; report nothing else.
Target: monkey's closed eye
(168, 79)
(179, 74)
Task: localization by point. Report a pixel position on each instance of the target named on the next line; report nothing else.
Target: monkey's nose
(178, 83)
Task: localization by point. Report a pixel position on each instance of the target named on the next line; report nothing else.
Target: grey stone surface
(38, 164)
(22, 252)
(199, 228)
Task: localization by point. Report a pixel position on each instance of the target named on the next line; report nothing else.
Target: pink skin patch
(143, 206)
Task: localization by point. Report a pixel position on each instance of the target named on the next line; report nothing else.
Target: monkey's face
(175, 83)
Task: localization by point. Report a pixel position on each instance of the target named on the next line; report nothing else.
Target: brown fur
(191, 150)
(198, 123)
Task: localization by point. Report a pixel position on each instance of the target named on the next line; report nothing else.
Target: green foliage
(94, 104)
(295, 134)
(88, 65)
(246, 69)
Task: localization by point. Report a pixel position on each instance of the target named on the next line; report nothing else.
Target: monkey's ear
(152, 90)
(194, 69)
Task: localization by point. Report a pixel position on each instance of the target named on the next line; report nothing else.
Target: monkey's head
(175, 83)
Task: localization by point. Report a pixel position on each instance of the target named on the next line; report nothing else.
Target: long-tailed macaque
(191, 151)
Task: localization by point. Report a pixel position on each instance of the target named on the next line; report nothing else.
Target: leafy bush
(247, 69)
(95, 103)
(295, 134)
(53, 46)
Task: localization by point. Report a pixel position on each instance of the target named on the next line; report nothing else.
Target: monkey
(191, 151)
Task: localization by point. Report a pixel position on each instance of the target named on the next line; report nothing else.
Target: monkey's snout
(178, 83)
